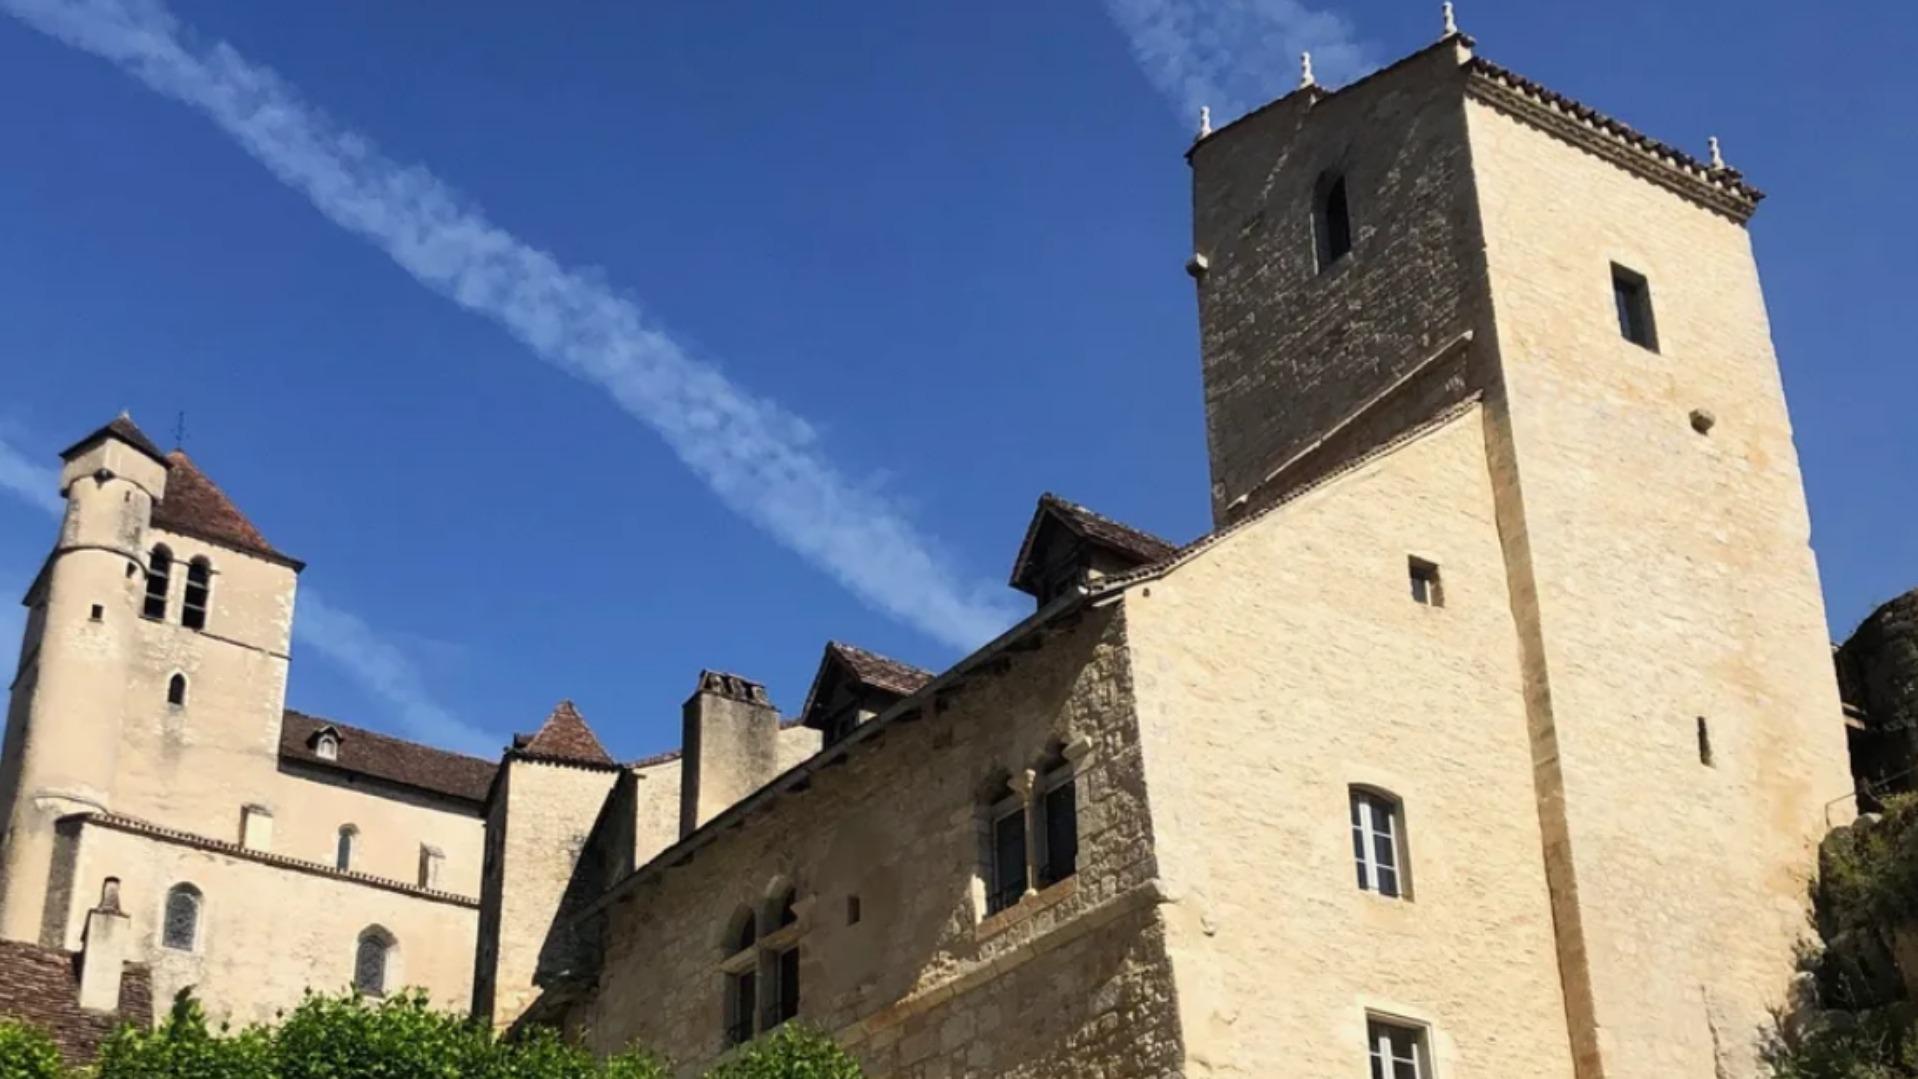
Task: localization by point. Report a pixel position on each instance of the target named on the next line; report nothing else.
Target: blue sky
(905, 264)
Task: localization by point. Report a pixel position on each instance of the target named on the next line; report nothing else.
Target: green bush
(26, 1053)
(790, 1052)
(182, 1046)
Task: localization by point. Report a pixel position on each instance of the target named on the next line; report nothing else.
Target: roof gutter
(800, 775)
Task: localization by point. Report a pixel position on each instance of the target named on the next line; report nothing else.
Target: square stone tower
(1444, 229)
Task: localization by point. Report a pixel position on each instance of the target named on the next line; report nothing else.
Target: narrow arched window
(1331, 219)
(343, 853)
(371, 959)
(1378, 842)
(199, 577)
(180, 923)
(176, 691)
(742, 980)
(159, 578)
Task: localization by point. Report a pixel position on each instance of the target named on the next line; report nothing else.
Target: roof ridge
(565, 736)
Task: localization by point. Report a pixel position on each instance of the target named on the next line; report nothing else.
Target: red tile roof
(42, 987)
(195, 506)
(563, 737)
(368, 753)
(874, 669)
(1136, 544)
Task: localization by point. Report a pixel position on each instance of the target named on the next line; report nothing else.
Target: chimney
(730, 746)
(103, 953)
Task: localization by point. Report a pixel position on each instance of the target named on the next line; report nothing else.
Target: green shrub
(182, 1046)
(790, 1052)
(27, 1053)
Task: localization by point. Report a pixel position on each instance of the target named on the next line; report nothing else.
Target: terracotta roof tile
(195, 506)
(876, 670)
(380, 756)
(564, 736)
(42, 987)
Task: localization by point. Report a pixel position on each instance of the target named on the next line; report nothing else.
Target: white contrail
(762, 460)
(375, 664)
(1233, 55)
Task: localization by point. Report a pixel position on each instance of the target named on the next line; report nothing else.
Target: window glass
(743, 993)
(159, 572)
(1008, 880)
(369, 965)
(193, 607)
(1061, 831)
(787, 1005)
(1398, 1052)
(1375, 842)
(182, 920)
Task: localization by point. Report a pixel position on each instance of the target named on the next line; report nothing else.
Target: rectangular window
(1704, 742)
(1426, 588)
(744, 994)
(1398, 1050)
(1633, 297)
(786, 1004)
(1008, 880)
(1061, 833)
(1375, 842)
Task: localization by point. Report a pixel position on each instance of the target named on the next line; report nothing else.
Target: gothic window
(180, 924)
(1377, 843)
(1331, 220)
(159, 576)
(1006, 869)
(344, 851)
(1398, 1050)
(371, 958)
(1426, 588)
(742, 985)
(1058, 829)
(199, 575)
(1632, 296)
(176, 691)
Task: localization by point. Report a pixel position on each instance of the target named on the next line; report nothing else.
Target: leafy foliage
(1860, 1026)
(26, 1053)
(400, 1037)
(789, 1052)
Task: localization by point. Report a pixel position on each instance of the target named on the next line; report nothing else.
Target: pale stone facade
(1491, 731)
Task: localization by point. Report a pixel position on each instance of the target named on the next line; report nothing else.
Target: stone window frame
(199, 575)
(390, 965)
(160, 556)
(1072, 757)
(1361, 802)
(182, 887)
(773, 936)
(1390, 1019)
(178, 688)
(346, 849)
(432, 866)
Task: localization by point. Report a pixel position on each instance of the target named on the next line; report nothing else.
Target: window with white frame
(1398, 1050)
(1378, 845)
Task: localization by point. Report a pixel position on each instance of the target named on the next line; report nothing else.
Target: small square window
(1426, 588)
(97, 614)
(1398, 1050)
(1632, 295)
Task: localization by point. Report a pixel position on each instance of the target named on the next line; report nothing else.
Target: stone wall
(1663, 578)
(267, 932)
(1290, 351)
(1282, 667)
(1070, 982)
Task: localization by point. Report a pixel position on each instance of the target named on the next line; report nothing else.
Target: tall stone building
(1490, 731)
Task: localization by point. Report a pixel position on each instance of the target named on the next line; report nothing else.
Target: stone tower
(152, 673)
(1445, 230)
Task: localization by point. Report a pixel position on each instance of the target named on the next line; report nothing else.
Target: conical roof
(564, 736)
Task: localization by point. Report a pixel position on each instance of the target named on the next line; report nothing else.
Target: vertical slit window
(1704, 742)
(199, 574)
(1632, 295)
(159, 578)
(1331, 220)
(343, 851)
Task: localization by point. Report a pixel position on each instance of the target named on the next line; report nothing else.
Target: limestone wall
(1289, 663)
(1672, 580)
(1070, 982)
(266, 932)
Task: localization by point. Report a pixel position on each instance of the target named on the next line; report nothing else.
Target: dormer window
(327, 746)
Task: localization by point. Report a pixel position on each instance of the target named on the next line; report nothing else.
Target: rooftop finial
(1205, 120)
(1451, 19)
(1305, 71)
(1718, 156)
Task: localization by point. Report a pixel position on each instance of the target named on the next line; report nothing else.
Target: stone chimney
(730, 746)
(104, 948)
